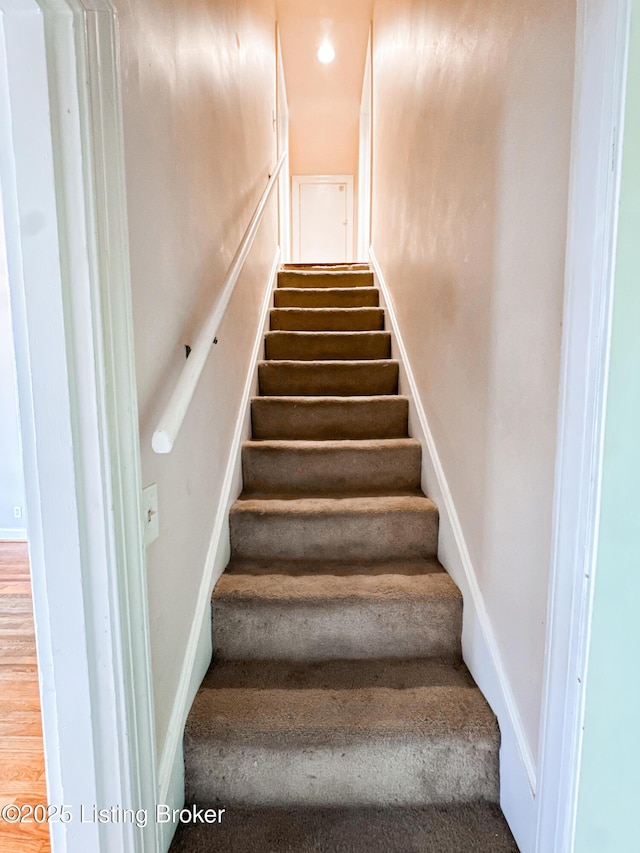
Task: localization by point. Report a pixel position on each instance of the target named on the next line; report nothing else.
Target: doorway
(22, 770)
(322, 218)
(64, 210)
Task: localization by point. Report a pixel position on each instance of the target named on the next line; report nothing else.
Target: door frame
(602, 36)
(62, 171)
(296, 182)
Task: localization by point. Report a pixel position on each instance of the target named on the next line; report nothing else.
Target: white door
(323, 218)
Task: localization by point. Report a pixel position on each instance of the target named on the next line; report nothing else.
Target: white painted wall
(199, 98)
(472, 114)
(284, 185)
(11, 476)
(364, 164)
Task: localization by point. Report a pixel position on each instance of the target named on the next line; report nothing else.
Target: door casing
(64, 199)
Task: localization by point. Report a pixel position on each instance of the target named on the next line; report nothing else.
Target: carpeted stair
(337, 686)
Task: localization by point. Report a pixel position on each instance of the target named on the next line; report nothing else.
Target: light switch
(150, 519)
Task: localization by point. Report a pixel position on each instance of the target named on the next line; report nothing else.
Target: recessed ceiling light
(326, 53)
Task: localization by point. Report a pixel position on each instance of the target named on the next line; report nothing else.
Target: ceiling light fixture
(326, 53)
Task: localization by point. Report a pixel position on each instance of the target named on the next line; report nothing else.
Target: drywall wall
(198, 84)
(11, 476)
(324, 100)
(471, 112)
(607, 818)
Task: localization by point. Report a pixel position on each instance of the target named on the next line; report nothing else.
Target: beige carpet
(337, 714)
(469, 828)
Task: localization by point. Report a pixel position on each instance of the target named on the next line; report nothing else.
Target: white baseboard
(13, 534)
(199, 647)
(480, 648)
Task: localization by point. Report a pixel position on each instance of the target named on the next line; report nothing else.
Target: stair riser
(346, 297)
(315, 279)
(286, 379)
(317, 420)
(385, 771)
(333, 470)
(329, 345)
(348, 630)
(327, 319)
(382, 535)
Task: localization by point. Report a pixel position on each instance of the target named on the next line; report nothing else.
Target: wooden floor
(22, 779)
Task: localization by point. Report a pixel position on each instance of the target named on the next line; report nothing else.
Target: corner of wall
(199, 647)
(481, 652)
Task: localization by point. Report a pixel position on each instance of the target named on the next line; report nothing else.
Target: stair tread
(321, 319)
(303, 505)
(339, 376)
(338, 493)
(333, 567)
(326, 417)
(355, 309)
(328, 528)
(331, 399)
(327, 345)
(325, 278)
(316, 334)
(334, 364)
(334, 589)
(321, 707)
(326, 297)
(328, 265)
(329, 445)
(320, 271)
(399, 674)
(325, 290)
(443, 828)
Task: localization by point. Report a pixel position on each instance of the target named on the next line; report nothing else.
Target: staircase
(337, 679)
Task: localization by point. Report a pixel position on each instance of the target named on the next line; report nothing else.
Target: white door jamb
(61, 163)
(601, 53)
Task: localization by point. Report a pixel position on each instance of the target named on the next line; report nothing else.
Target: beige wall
(472, 106)
(324, 100)
(199, 90)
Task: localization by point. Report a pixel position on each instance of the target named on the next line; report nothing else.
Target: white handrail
(169, 424)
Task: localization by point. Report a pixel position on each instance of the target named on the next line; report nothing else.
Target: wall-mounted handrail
(171, 420)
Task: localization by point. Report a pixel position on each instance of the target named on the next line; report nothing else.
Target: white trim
(601, 53)
(13, 534)
(296, 182)
(198, 652)
(480, 648)
(61, 157)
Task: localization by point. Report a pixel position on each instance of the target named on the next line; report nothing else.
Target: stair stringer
(199, 646)
(480, 648)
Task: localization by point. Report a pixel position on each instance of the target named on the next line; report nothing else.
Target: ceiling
(324, 100)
